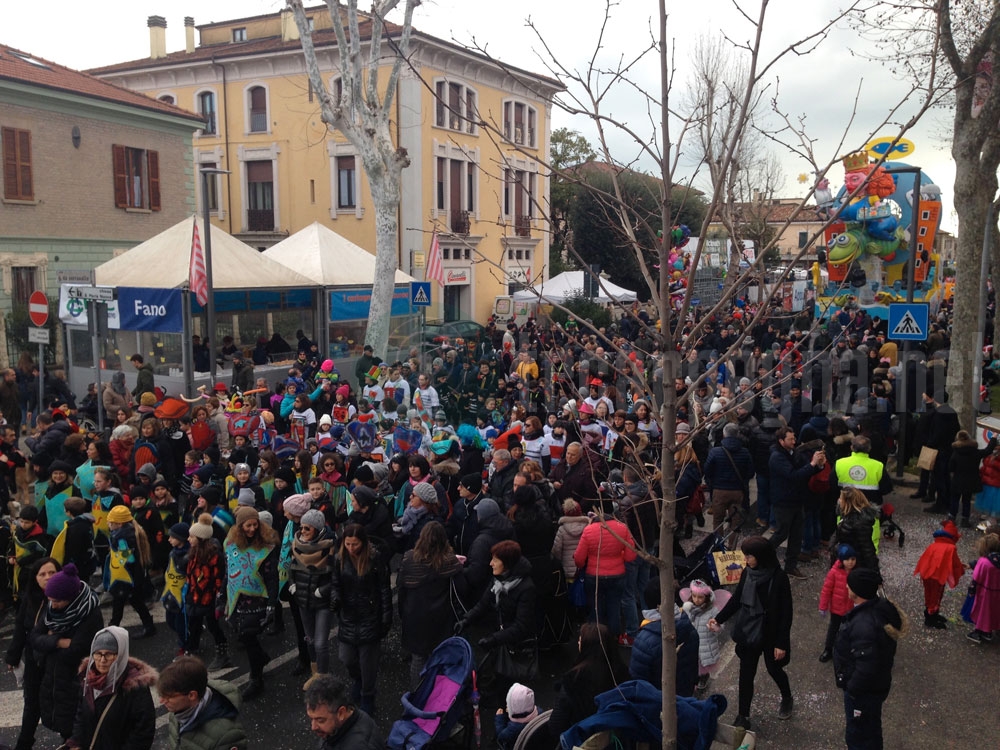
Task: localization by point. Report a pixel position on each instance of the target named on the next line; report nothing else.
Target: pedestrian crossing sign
(909, 321)
(420, 293)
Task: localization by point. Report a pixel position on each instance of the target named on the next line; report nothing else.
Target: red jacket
(989, 472)
(834, 598)
(600, 553)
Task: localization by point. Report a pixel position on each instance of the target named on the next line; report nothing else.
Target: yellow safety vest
(859, 471)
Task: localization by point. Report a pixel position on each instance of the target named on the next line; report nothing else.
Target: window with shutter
(153, 167)
(136, 177)
(17, 176)
(121, 176)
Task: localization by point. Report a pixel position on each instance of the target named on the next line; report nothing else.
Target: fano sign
(143, 309)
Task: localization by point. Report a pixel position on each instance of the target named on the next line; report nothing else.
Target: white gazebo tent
(163, 262)
(331, 261)
(571, 284)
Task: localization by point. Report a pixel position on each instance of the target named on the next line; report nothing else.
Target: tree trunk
(973, 196)
(385, 197)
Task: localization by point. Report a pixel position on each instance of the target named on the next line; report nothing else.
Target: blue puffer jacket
(646, 660)
(720, 472)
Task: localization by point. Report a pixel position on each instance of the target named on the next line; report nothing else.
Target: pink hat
(344, 390)
(327, 365)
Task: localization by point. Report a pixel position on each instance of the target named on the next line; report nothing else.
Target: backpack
(821, 481)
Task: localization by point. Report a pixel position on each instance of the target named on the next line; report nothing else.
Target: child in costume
(986, 583)
(702, 604)
(174, 581)
(834, 598)
(939, 565)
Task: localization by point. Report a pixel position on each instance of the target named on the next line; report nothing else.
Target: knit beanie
(364, 473)
(241, 467)
(846, 552)
(343, 390)
(205, 474)
(202, 529)
(104, 641)
(266, 519)
(315, 519)
(237, 456)
(120, 514)
(65, 585)
(521, 703)
(246, 497)
(246, 513)
(297, 505)
(487, 508)
(62, 466)
(285, 475)
(212, 495)
(426, 493)
(863, 582)
(180, 531)
(379, 470)
(147, 399)
(473, 483)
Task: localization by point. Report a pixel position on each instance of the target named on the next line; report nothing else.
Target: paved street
(945, 693)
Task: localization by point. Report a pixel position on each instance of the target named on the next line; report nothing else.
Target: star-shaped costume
(245, 578)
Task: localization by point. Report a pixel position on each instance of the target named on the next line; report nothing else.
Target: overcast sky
(821, 86)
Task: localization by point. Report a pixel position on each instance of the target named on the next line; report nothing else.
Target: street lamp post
(210, 305)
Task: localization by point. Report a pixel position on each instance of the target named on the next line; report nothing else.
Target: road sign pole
(41, 380)
(95, 347)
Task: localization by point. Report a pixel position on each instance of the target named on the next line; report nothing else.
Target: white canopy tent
(327, 258)
(571, 284)
(163, 262)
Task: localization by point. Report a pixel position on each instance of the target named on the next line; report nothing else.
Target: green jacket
(143, 381)
(216, 727)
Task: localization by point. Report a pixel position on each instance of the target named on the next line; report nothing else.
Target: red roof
(23, 67)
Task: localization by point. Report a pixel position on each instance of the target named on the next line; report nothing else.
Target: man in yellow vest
(861, 471)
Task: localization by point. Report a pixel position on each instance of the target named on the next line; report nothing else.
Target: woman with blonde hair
(857, 525)
(688, 481)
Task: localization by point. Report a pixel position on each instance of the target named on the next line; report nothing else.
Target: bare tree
(362, 114)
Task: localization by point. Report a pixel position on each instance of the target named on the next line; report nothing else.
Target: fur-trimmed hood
(897, 624)
(965, 445)
(843, 439)
(138, 674)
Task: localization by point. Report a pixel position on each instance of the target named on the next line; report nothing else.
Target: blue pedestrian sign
(909, 321)
(420, 293)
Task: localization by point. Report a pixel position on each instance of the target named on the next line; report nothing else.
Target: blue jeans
(812, 533)
(633, 598)
(764, 514)
(604, 595)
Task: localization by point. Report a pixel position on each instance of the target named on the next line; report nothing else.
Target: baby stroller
(700, 563)
(439, 713)
(888, 525)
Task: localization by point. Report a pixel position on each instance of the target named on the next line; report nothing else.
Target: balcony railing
(522, 226)
(258, 121)
(260, 220)
(460, 223)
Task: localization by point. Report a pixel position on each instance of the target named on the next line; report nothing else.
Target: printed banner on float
(141, 309)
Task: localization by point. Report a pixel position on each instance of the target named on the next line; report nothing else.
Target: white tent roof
(570, 284)
(163, 262)
(327, 258)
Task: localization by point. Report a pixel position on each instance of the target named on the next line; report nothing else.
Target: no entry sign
(38, 308)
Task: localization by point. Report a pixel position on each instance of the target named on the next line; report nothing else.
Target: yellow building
(482, 188)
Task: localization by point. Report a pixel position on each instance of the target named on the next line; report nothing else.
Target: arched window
(206, 107)
(257, 101)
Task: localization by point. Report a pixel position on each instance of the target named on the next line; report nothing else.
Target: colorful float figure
(869, 247)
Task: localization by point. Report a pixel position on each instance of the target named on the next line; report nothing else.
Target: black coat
(515, 609)
(310, 583)
(79, 548)
(130, 722)
(866, 647)
(363, 601)
(856, 529)
(426, 610)
(477, 568)
(777, 600)
(966, 455)
(789, 474)
(60, 692)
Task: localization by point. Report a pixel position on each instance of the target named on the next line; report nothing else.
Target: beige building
(760, 219)
(90, 169)
(481, 188)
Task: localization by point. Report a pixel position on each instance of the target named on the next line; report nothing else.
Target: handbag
(928, 457)
(746, 485)
(970, 600)
(577, 591)
(749, 628)
(251, 618)
(518, 662)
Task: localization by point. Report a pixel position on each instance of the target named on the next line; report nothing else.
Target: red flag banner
(434, 270)
(197, 277)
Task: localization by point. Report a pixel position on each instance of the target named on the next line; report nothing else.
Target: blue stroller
(441, 711)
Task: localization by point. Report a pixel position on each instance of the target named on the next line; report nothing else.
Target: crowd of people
(514, 488)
